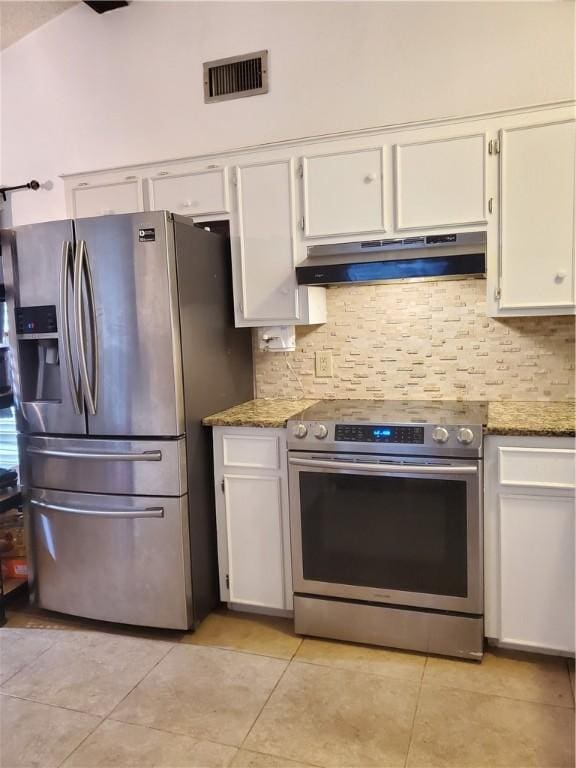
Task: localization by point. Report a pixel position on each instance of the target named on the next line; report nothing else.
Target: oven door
(388, 530)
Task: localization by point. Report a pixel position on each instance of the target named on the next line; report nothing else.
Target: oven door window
(385, 532)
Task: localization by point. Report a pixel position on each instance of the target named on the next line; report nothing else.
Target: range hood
(431, 257)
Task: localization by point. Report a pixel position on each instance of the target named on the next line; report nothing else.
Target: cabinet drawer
(251, 451)
(196, 193)
(537, 467)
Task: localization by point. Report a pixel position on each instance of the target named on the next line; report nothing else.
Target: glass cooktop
(397, 412)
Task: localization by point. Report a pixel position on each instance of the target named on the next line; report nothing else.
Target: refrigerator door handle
(64, 278)
(82, 269)
(144, 456)
(128, 514)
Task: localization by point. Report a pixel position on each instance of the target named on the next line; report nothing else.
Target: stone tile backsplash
(424, 340)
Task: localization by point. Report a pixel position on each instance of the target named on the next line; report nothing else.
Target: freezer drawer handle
(412, 469)
(117, 513)
(145, 456)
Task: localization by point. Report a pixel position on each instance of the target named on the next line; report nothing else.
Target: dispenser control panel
(36, 319)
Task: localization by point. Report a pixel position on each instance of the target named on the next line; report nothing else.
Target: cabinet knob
(560, 276)
(369, 178)
(187, 204)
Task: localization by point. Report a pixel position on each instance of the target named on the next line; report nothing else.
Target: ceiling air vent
(236, 77)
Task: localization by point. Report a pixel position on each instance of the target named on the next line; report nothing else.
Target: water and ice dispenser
(39, 353)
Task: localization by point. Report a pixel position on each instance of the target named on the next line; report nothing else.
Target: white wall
(88, 91)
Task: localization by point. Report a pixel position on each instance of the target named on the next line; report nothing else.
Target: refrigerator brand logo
(147, 235)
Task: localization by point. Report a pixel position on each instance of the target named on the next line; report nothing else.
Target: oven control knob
(465, 436)
(300, 430)
(440, 434)
(320, 432)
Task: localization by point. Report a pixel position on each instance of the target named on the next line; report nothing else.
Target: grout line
(237, 650)
(46, 704)
(105, 717)
(415, 712)
(264, 704)
(501, 696)
(152, 668)
(28, 663)
(282, 757)
(88, 735)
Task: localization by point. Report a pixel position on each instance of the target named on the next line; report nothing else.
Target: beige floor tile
(461, 729)
(19, 647)
(87, 671)
(246, 759)
(36, 735)
(523, 676)
(264, 635)
(378, 661)
(336, 717)
(118, 745)
(207, 693)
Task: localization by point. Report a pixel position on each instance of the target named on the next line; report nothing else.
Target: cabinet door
(196, 193)
(537, 166)
(102, 199)
(343, 193)
(440, 183)
(254, 533)
(267, 241)
(537, 571)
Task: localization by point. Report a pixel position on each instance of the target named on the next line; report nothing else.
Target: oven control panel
(376, 433)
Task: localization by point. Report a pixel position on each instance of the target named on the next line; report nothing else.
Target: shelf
(10, 498)
(10, 585)
(6, 399)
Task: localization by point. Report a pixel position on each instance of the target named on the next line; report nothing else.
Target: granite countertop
(553, 419)
(546, 419)
(258, 413)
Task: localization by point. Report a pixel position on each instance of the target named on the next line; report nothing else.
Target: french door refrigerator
(123, 340)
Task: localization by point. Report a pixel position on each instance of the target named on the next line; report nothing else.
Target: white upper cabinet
(343, 193)
(537, 204)
(266, 235)
(440, 183)
(101, 199)
(194, 193)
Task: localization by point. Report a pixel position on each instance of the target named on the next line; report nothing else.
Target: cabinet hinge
(301, 171)
(227, 581)
(302, 223)
(222, 485)
(494, 147)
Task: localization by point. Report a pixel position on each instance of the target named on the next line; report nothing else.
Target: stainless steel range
(386, 523)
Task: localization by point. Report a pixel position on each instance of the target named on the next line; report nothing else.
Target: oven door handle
(360, 467)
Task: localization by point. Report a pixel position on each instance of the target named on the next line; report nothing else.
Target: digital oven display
(363, 433)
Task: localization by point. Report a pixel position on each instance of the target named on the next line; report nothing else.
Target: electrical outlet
(324, 364)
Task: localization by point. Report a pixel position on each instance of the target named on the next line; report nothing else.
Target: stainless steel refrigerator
(122, 340)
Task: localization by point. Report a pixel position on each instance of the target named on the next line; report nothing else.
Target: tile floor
(244, 691)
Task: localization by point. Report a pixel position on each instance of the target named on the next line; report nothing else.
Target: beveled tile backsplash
(424, 340)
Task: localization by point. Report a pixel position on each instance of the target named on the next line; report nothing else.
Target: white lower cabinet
(250, 475)
(529, 542)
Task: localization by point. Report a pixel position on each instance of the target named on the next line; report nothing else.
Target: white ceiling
(18, 19)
